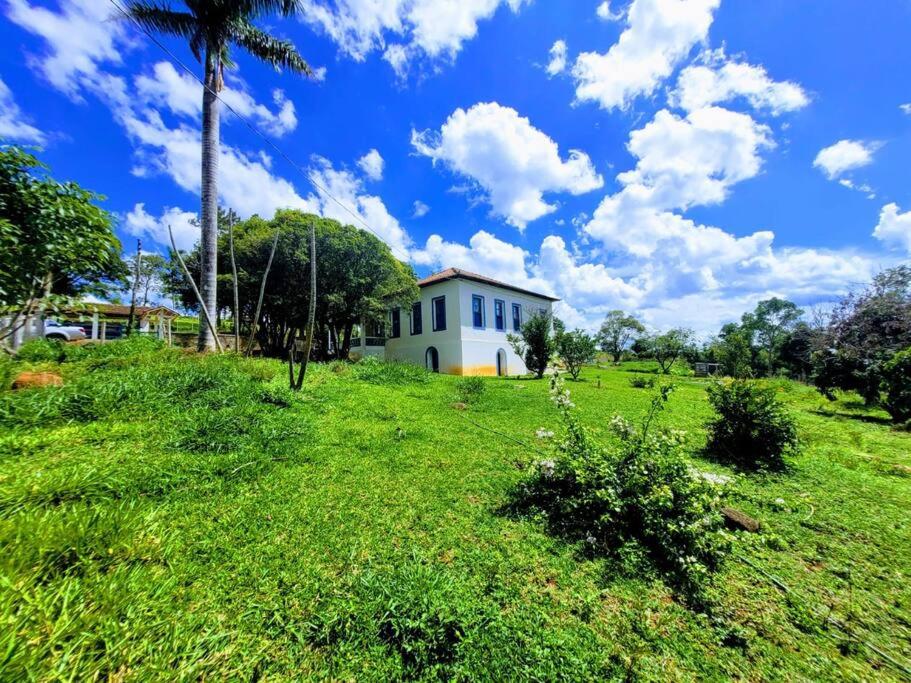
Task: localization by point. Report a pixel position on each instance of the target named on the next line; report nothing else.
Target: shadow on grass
(859, 417)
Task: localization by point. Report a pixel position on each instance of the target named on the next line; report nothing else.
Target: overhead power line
(252, 126)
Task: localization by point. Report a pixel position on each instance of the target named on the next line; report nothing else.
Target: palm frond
(154, 16)
(279, 53)
(253, 8)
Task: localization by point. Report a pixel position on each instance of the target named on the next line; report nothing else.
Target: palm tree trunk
(236, 296)
(209, 212)
(311, 315)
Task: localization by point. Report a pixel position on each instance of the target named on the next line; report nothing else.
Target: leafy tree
(54, 239)
(357, 276)
(617, 331)
(153, 269)
(575, 349)
(733, 349)
(535, 343)
(866, 330)
(211, 28)
(897, 386)
(771, 323)
(668, 347)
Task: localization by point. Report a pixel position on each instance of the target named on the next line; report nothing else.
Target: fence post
(104, 331)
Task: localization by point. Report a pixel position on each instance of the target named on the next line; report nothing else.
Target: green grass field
(169, 516)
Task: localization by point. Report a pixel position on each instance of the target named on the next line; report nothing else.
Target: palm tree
(211, 27)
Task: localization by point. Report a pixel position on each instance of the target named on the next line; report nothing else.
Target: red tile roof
(459, 274)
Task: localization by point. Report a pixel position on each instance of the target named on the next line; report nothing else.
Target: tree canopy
(357, 276)
(617, 331)
(54, 239)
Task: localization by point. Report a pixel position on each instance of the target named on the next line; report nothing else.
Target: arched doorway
(432, 359)
(501, 363)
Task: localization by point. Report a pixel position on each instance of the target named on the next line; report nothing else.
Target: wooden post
(103, 335)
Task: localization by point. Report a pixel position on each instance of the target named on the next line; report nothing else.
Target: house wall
(462, 348)
(480, 345)
(413, 348)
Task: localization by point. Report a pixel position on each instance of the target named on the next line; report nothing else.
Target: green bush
(374, 371)
(641, 382)
(752, 429)
(637, 499)
(41, 351)
(470, 389)
(897, 386)
(7, 371)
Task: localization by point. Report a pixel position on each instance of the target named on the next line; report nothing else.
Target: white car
(54, 330)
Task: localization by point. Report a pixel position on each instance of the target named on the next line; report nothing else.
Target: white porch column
(103, 334)
(94, 326)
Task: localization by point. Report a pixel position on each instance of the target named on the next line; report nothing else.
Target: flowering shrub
(752, 428)
(637, 497)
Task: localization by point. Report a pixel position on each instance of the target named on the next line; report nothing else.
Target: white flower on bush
(543, 433)
(546, 468)
(559, 394)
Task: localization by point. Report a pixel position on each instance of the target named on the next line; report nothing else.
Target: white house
(458, 327)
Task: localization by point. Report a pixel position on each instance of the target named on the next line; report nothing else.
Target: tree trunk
(311, 315)
(262, 292)
(209, 211)
(236, 295)
(136, 273)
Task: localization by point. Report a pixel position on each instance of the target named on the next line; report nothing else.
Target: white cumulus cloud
(510, 159)
(844, 156)
(372, 165)
(404, 30)
(894, 227)
(557, 63)
(703, 85)
(658, 35)
(182, 95)
(420, 209)
(140, 223)
(14, 124)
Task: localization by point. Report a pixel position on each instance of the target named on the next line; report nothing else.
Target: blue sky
(682, 159)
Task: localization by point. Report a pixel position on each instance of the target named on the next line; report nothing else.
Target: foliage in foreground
(752, 429)
(637, 499)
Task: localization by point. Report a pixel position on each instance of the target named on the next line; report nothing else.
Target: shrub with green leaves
(41, 351)
(637, 498)
(752, 429)
(641, 382)
(371, 369)
(897, 386)
(470, 389)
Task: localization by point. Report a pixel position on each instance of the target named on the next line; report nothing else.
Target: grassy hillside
(164, 513)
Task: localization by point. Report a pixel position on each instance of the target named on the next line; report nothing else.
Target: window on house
(396, 323)
(377, 329)
(517, 317)
(477, 310)
(417, 323)
(439, 313)
(499, 314)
